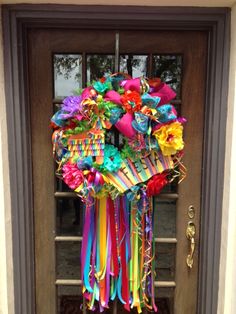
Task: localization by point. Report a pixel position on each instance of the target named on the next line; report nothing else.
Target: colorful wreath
(117, 144)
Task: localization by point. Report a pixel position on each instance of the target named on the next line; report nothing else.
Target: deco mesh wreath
(116, 182)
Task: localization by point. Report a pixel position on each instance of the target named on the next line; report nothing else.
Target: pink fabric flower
(72, 176)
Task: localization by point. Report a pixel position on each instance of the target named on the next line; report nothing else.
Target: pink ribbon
(124, 125)
(165, 93)
(86, 93)
(133, 85)
(114, 97)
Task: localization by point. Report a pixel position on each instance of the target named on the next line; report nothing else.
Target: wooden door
(63, 60)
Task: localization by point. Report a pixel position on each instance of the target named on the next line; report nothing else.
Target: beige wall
(227, 287)
(227, 290)
(6, 278)
(198, 3)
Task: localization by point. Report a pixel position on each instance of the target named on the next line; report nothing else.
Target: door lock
(191, 212)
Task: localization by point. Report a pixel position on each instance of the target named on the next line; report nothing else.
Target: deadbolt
(191, 212)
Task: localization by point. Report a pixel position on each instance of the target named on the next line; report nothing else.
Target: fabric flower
(70, 107)
(112, 159)
(131, 101)
(156, 184)
(72, 176)
(102, 87)
(154, 83)
(170, 138)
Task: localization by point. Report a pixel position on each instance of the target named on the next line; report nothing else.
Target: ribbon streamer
(117, 254)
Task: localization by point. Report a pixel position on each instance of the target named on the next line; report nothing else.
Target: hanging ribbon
(117, 253)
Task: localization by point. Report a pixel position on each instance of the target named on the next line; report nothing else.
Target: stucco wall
(227, 286)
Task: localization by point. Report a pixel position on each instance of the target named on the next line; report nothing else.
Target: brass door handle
(190, 234)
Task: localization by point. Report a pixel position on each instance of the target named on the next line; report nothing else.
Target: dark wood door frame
(17, 20)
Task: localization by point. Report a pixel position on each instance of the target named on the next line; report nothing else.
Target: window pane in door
(169, 69)
(69, 300)
(68, 260)
(165, 300)
(99, 65)
(164, 218)
(69, 217)
(67, 74)
(165, 261)
(134, 65)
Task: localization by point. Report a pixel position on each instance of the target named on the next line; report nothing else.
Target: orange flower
(154, 82)
(102, 79)
(131, 101)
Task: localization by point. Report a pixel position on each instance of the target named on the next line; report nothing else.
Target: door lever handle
(190, 234)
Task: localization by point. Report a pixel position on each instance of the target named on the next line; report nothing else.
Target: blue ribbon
(167, 113)
(141, 122)
(150, 101)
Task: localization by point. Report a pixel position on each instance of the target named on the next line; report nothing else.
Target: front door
(61, 61)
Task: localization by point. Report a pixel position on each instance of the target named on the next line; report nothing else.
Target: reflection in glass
(169, 69)
(69, 300)
(67, 74)
(165, 300)
(164, 218)
(68, 260)
(171, 187)
(69, 219)
(61, 186)
(165, 261)
(99, 66)
(134, 65)
(110, 136)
